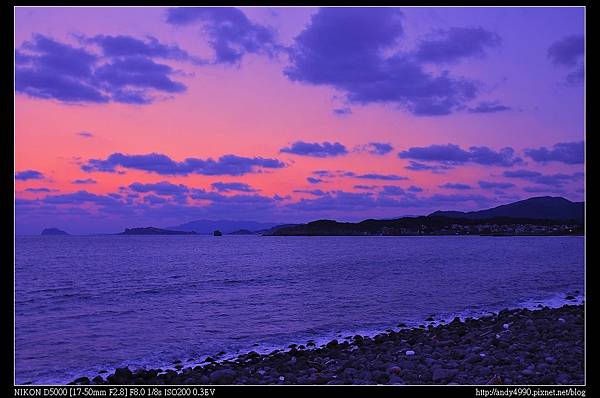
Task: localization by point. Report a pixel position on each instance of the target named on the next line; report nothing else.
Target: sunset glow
(153, 116)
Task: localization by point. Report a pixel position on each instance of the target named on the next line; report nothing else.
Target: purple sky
(155, 116)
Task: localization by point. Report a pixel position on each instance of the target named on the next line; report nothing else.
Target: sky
(133, 117)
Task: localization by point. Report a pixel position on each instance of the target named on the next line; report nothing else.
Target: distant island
(242, 232)
(154, 231)
(54, 231)
(207, 227)
(534, 216)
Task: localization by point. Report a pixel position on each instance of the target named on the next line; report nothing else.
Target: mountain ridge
(539, 207)
(533, 216)
(206, 227)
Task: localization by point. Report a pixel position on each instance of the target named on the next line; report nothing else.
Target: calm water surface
(86, 303)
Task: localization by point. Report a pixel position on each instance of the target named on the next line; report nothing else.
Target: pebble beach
(512, 347)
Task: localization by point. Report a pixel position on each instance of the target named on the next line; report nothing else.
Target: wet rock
(473, 358)
(441, 375)
(222, 376)
(395, 379)
(332, 344)
(563, 378)
(123, 373)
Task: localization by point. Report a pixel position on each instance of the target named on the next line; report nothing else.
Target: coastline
(517, 346)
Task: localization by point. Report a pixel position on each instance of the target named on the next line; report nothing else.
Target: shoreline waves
(513, 346)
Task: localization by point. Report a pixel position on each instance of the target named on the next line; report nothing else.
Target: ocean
(90, 303)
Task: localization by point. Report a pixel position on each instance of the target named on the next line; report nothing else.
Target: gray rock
(473, 358)
(441, 375)
(528, 372)
(98, 380)
(395, 379)
(550, 359)
(222, 376)
(563, 378)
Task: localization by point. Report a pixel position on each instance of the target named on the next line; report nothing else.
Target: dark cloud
(351, 174)
(454, 44)
(334, 174)
(127, 46)
(344, 48)
(392, 190)
(39, 190)
(162, 164)
(84, 181)
(125, 76)
(565, 152)
(437, 168)
(414, 188)
(154, 200)
(557, 179)
(376, 148)
(489, 107)
(85, 134)
(237, 204)
(323, 173)
(230, 33)
(232, 186)
(342, 111)
(495, 185)
(441, 199)
(365, 187)
(575, 76)
(569, 52)
(451, 154)
(384, 177)
(521, 174)
(543, 189)
(315, 192)
(325, 149)
(29, 175)
(48, 69)
(457, 186)
(336, 201)
(163, 188)
(394, 198)
(82, 197)
(313, 180)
